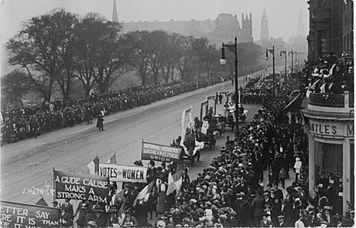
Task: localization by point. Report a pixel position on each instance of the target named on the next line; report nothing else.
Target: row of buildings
(330, 117)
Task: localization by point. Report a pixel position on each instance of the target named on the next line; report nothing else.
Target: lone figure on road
(100, 122)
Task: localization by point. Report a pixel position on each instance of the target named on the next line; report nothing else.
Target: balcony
(334, 103)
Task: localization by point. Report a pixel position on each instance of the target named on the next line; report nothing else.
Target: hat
(161, 224)
(112, 209)
(98, 208)
(280, 217)
(327, 207)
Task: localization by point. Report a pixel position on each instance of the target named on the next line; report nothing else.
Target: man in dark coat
(257, 206)
(100, 122)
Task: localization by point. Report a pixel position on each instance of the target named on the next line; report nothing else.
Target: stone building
(330, 28)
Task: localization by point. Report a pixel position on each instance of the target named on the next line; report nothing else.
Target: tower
(300, 28)
(246, 28)
(264, 26)
(114, 13)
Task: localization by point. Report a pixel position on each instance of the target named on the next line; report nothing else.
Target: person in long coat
(100, 122)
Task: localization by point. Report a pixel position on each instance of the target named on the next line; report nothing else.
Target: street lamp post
(233, 47)
(273, 67)
(285, 64)
(292, 53)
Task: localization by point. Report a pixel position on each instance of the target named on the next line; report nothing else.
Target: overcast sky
(282, 14)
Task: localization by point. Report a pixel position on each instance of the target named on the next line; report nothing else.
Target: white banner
(123, 173)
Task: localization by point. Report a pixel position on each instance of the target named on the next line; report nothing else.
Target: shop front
(331, 157)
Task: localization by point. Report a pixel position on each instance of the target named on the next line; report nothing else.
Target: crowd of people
(231, 192)
(32, 121)
(330, 75)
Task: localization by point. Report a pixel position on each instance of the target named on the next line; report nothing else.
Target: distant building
(264, 27)
(246, 29)
(114, 13)
(331, 28)
(223, 29)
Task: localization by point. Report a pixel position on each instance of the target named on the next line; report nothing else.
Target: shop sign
(331, 128)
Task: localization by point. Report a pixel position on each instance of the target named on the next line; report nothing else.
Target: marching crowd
(231, 192)
(32, 121)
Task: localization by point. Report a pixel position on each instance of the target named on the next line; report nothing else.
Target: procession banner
(24, 215)
(152, 151)
(123, 173)
(80, 187)
(187, 121)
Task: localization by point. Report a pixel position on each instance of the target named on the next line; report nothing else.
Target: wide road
(26, 166)
(29, 163)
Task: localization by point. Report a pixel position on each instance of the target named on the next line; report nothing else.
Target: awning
(295, 104)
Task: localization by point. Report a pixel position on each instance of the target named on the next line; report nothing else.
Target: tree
(158, 41)
(86, 41)
(199, 49)
(184, 55)
(141, 53)
(36, 49)
(14, 86)
(111, 58)
(66, 53)
(171, 55)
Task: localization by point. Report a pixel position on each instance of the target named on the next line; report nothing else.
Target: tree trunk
(49, 91)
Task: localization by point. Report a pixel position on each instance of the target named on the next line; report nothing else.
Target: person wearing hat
(67, 214)
(84, 211)
(100, 121)
(297, 168)
(160, 223)
(129, 220)
(151, 171)
(98, 217)
(281, 222)
(266, 222)
(257, 206)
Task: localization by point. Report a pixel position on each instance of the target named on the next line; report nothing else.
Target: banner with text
(24, 215)
(151, 151)
(80, 187)
(123, 173)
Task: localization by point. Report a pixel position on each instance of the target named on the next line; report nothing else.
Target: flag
(93, 166)
(144, 192)
(175, 181)
(112, 160)
(42, 202)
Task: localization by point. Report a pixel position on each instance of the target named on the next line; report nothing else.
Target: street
(28, 164)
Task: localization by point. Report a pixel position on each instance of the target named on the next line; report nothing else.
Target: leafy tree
(36, 48)
(184, 55)
(86, 41)
(141, 53)
(14, 86)
(171, 55)
(199, 49)
(111, 57)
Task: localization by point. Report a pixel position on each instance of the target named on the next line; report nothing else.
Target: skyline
(282, 14)
(16, 12)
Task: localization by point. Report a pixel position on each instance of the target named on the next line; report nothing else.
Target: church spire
(300, 28)
(264, 26)
(114, 13)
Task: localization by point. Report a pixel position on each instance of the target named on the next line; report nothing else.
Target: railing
(327, 100)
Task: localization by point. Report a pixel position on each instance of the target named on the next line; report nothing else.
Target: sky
(282, 14)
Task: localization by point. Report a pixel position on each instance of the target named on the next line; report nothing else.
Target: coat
(100, 122)
(257, 205)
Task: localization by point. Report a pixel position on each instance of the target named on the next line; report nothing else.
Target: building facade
(348, 27)
(330, 28)
(330, 128)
